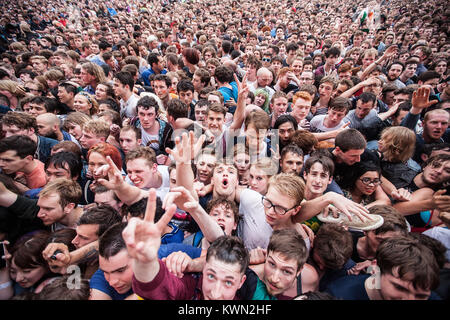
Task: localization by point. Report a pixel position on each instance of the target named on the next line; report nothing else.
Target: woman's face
(26, 277)
(259, 100)
(368, 182)
(81, 104)
(242, 162)
(96, 160)
(75, 130)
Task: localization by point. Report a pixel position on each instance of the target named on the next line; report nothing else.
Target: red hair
(105, 149)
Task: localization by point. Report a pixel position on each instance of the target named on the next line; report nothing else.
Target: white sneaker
(356, 223)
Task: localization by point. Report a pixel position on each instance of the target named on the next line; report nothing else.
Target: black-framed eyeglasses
(368, 181)
(278, 209)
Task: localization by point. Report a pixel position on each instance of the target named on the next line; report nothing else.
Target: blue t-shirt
(349, 287)
(99, 282)
(176, 236)
(166, 249)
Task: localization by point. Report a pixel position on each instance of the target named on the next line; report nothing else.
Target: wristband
(5, 285)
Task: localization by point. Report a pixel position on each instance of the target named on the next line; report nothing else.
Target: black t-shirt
(344, 174)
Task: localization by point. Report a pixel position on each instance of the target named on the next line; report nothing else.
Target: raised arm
(388, 54)
(128, 194)
(420, 100)
(239, 116)
(185, 201)
(183, 154)
(143, 239)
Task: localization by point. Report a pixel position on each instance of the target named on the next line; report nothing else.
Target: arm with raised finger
(184, 200)
(127, 193)
(143, 239)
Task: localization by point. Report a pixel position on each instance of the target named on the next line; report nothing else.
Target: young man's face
(392, 287)
(140, 172)
(214, 121)
(317, 179)
(147, 117)
(297, 67)
(10, 162)
(367, 60)
(291, 163)
(86, 233)
(435, 125)
(128, 141)
(161, 89)
(186, 96)
(89, 139)
(118, 271)
(200, 113)
(279, 105)
(50, 209)
(205, 167)
(363, 108)
(107, 198)
(350, 157)
(283, 201)
(64, 96)
(285, 131)
(325, 90)
(119, 88)
(280, 273)
(221, 280)
(197, 82)
(334, 117)
(301, 108)
(224, 180)
(54, 173)
(224, 217)
(10, 130)
(436, 172)
(394, 72)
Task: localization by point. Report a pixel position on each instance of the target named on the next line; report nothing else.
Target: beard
(51, 135)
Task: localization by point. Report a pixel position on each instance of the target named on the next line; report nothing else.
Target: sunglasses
(266, 59)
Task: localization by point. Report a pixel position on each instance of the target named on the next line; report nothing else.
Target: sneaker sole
(356, 223)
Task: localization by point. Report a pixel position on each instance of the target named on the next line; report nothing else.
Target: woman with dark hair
(27, 267)
(366, 187)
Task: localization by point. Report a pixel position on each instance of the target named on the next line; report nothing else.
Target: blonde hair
(267, 165)
(54, 75)
(290, 185)
(91, 100)
(13, 87)
(399, 143)
(78, 118)
(69, 191)
(97, 127)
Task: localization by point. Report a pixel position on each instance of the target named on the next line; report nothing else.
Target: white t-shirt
(165, 185)
(253, 228)
(150, 140)
(128, 108)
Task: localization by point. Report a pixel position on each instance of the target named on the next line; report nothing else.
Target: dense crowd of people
(224, 150)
